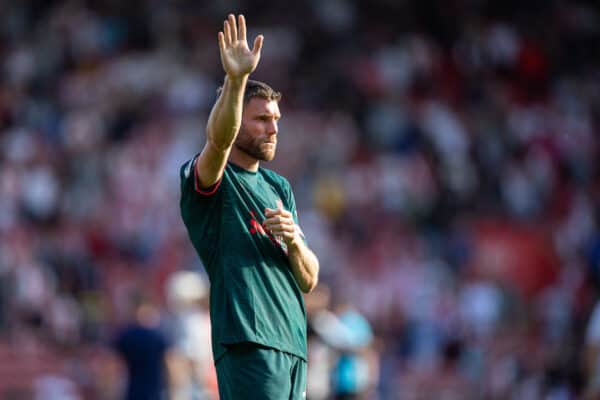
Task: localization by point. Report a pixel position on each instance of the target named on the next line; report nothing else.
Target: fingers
(278, 220)
(258, 42)
(285, 236)
(233, 27)
(283, 229)
(231, 33)
(242, 27)
(221, 38)
(279, 223)
(227, 33)
(269, 212)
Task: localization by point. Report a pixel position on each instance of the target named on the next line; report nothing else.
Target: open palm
(237, 59)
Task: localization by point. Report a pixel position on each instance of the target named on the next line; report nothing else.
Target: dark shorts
(249, 371)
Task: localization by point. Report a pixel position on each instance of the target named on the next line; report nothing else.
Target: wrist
(295, 242)
(237, 80)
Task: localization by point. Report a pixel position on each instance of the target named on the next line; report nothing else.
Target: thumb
(279, 205)
(258, 42)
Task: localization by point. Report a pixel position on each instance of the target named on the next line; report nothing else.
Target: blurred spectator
(355, 371)
(193, 375)
(320, 354)
(445, 381)
(144, 349)
(353, 358)
(444, 159)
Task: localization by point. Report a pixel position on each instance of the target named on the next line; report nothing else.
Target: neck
(242, 159)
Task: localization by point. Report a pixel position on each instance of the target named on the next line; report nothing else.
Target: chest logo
(255, 226)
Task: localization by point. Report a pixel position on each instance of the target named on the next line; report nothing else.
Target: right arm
(226, 116)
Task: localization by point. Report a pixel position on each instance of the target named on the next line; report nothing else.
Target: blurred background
(444, 157)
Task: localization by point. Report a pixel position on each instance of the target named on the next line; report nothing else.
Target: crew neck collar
(237, 168)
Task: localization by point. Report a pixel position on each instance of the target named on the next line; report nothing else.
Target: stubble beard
(252, 146)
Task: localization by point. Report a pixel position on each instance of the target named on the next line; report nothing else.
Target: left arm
(303, 262)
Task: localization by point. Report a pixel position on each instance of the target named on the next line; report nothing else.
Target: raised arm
(226, 115)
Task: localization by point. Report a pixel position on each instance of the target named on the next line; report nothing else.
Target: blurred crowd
(444, 158)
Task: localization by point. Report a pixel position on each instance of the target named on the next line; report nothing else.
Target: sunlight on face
(258, 133)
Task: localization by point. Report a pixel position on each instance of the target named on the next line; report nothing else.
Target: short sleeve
(189, 180)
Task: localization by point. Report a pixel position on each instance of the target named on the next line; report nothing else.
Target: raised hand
(237, 59)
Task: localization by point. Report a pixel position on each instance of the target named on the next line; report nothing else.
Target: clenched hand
(280, 223)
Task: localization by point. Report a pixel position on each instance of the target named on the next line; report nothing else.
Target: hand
(280, 223)
(237, 59)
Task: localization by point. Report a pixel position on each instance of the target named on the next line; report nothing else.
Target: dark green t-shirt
(254, 296)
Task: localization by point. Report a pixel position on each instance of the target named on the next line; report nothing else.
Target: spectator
(144, 349)
(450, 187)
(193, 373)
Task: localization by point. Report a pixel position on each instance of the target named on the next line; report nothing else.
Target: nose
(272, 128)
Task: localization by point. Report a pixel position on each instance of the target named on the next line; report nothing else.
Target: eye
(268, 118)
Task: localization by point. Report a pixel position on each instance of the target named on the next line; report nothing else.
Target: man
(144, 349)
(242, 221)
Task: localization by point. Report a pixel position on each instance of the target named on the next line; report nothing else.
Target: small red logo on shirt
(255, 226)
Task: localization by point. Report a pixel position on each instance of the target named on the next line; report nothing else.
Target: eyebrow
(267, 115)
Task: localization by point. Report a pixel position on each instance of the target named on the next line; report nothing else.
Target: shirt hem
(284, 349)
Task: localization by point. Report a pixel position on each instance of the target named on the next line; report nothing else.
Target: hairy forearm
(226, 116)
(304, 265)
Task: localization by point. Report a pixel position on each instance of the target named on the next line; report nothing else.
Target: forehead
(258, 106)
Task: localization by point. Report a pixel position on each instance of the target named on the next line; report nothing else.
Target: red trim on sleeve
(208, 191)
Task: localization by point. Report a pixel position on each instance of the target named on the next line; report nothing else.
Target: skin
(246, 134)
(257, 139)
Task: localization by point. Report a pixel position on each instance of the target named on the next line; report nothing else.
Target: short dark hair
(257, 89)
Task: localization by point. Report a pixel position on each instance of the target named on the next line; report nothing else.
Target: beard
(255, 147)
